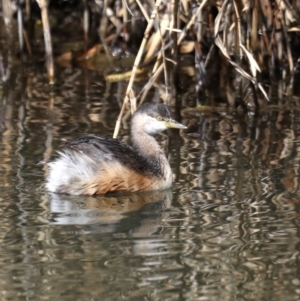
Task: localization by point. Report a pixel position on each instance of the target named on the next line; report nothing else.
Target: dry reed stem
(85, 23)
(132, 101)
(288, 46)
(103, 22)
(174, 7)
(3, 73)
(125, 10)
(219, 43)
(27, 42)
(236, 34)
(209, 55)
(7, 12)
(294, 29)
(158, 68)
(147, 87)
(113, 19)
(144, 12)
(254, 27)
(102, 32)
(159, 56)
(20, 27)
(135, 66)
(157, 37)
(196, 43)
(291, 13)
(253, 64)
(192, 21)
(185, 5)
(199, 27)
(162, 51)
(266, 42)
(28, 9)
(226, 25)
(219, 18)
(238, 25)
(122, 76)
(47, 38)
(125, 20)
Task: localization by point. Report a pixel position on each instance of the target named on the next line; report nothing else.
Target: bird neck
(145, 145)
(149, 149)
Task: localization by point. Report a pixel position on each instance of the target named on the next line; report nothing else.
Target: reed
(7, 12)
(250, 39)
(47, 38)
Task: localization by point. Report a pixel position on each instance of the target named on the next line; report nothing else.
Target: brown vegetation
(248, 44)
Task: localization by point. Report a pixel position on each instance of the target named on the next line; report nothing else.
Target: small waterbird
(98, 165)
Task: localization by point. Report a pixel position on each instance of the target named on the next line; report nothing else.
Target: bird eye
(159, 118)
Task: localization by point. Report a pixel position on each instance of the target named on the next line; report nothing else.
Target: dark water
(227, 230)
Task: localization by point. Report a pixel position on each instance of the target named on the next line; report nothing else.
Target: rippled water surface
(227, 230)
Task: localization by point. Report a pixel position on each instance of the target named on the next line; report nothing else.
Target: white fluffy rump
(70, 172)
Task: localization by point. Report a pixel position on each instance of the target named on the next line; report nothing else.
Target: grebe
(98, 165)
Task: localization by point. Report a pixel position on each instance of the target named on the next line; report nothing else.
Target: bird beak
(173, 124)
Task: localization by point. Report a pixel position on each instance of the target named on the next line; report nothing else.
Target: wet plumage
(98, 165)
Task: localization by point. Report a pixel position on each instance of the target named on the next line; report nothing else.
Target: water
(227, 230)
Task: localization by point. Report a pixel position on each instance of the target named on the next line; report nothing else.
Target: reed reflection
(245, 157)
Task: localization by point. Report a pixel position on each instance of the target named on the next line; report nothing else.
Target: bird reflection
(109, 209)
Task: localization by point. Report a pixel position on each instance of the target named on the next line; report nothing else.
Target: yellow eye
(159, 118)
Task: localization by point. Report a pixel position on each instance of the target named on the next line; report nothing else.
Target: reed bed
(251, 44)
